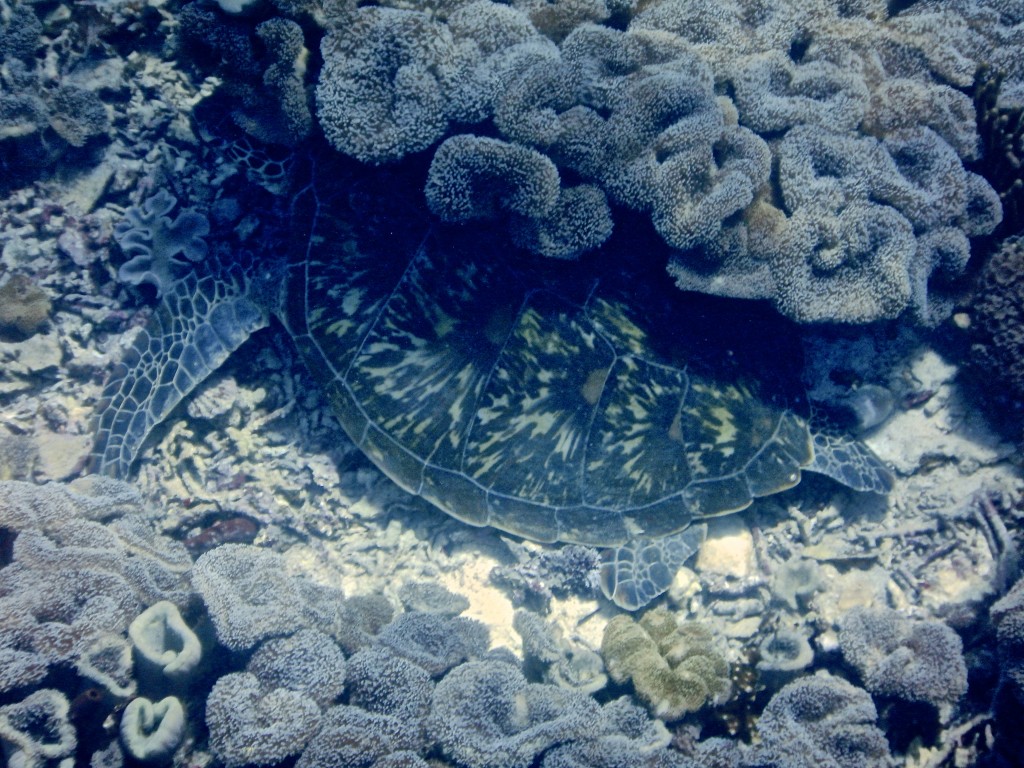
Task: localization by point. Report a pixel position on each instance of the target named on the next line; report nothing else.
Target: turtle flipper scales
(847, 460)
(199, 323)
(641, 569)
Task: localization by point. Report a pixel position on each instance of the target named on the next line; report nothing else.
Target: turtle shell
(557, 402)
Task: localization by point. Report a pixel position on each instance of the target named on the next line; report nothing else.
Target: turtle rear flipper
(641, 569)
(199, 323)
(847, 461)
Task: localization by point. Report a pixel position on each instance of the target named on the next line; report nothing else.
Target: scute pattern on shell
(514, 394)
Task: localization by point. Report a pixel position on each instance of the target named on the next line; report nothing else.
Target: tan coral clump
(675, 669)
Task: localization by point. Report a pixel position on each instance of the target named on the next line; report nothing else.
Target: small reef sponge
(903, 658)
(163, 641)
(796, 581)
(785, 651)
(821, 720)
(24, 306)
(151, 731)
(674, 668)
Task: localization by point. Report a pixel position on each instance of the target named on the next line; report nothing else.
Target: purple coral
(486, 715)
(73, 583)
(821, 720)
(251, 597)
(908, 659)
(254, 724)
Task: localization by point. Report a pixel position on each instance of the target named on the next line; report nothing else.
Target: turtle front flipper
(199, 323)
(641, 569)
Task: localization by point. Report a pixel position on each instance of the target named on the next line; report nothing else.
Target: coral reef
(674, 668)
(820, 720)
(46, 115)
(830, 181)
(350, 737)
(429, 597)
(264, 65)
(72, 581)
(626, 733)
(997, 330)
(537, 577)
(251, 597)
(382, 92)
(380, 682)
(904, 658)
(1008, 617)
(308, 662)
(473, 177)
(253, 724)
(1002, 135)
(485, 714)
(433, 642)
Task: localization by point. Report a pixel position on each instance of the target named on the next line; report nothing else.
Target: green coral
(674, 668)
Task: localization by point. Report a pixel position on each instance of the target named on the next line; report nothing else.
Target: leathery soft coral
(74, 584)
(820, 720)
(811, 154)
(905, 658)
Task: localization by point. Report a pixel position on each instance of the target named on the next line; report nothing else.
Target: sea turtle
(572, 402)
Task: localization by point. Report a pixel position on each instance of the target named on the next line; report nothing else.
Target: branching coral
(152, 731)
